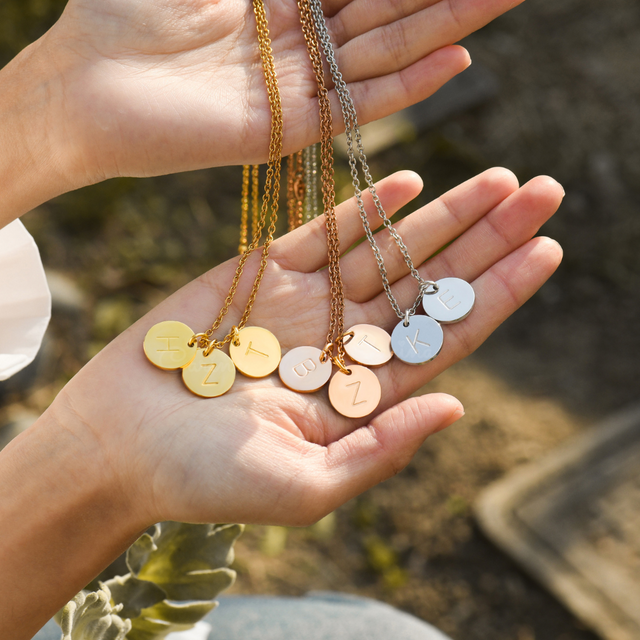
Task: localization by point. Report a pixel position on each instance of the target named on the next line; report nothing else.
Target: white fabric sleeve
(25, 300)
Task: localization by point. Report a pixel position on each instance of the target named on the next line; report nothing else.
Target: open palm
(161, 86)
(263, 453)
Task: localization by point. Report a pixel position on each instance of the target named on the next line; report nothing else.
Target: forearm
(63, 518)
(38, 154)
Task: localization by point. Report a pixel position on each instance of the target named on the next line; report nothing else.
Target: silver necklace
(416, 339)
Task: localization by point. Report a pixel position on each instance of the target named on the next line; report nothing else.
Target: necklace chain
(295, 190)
(248, 171)
(271, 190)
(310, 182)
(336, 321)
(352, 131)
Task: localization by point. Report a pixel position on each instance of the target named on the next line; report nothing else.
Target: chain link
(248, 170)
(295, 190)
(336, 319)
(311, 183)
(352, 130)
(244, 209)
(271, 189)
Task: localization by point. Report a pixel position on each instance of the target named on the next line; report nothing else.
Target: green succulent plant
(92, 615)
(174, 576)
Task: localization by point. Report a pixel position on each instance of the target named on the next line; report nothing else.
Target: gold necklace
(253, 171)
(354, 391)
(206, 370)
(295, 190)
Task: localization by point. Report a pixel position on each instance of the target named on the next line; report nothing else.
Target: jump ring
(336, 361)
(199, 339)
(326, 352)
(429, 284)
(347, 337)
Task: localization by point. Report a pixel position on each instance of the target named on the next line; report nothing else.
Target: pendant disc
(370, 345)
(166, 345)
(209, 376)
(418, 343)
(357, 395)
(301, 369)
(258, 352)
(452, 302)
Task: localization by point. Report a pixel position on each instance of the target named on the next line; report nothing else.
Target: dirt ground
(567, 106)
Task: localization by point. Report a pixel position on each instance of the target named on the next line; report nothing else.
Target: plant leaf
(178, 613)
(133, 594)
(138, 553)
(91, 616)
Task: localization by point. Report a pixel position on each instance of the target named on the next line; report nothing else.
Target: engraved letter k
(416, 341)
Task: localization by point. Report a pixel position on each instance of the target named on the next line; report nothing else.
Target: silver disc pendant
(301, 369)
(419, 342)
(452, 302)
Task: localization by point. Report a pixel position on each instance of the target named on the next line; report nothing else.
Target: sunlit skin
(130, 88)
(125, 444)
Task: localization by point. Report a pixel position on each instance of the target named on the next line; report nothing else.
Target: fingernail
(454, 417)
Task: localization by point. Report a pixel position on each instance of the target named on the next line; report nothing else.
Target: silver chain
(353, 130)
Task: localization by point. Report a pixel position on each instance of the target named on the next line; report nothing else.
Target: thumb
(386, 445)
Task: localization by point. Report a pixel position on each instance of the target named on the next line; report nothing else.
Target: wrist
(64, 516)
(40, 156)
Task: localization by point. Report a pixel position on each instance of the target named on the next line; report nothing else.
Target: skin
(125, 445)
(130, 88)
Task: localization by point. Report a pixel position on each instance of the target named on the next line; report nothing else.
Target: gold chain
(336, 323)
(270, 196)
(244, 208)
(295, 190)
(255, 194)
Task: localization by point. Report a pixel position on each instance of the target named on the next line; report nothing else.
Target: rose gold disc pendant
(302, 369)
(356, 395)
(368, 345)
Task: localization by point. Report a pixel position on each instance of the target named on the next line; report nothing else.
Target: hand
(263, 453)
(149, 88)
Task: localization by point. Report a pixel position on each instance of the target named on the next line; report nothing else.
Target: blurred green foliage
(23, 21)
(173, 577)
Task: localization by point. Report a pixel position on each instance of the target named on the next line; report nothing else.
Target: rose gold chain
(336, 322)
(295, 190)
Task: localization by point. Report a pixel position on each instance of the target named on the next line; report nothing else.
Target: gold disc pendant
(209, 376)
(355, 395)
(368, 345)
(255, 352)
(166, 345)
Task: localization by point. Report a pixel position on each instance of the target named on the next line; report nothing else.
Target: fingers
(379, 96)
(312, 480)
(382, 95)
(506, 227)
(305, 249)
(499, 292)
(385, 446)
(390, 36)
(425, 231)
